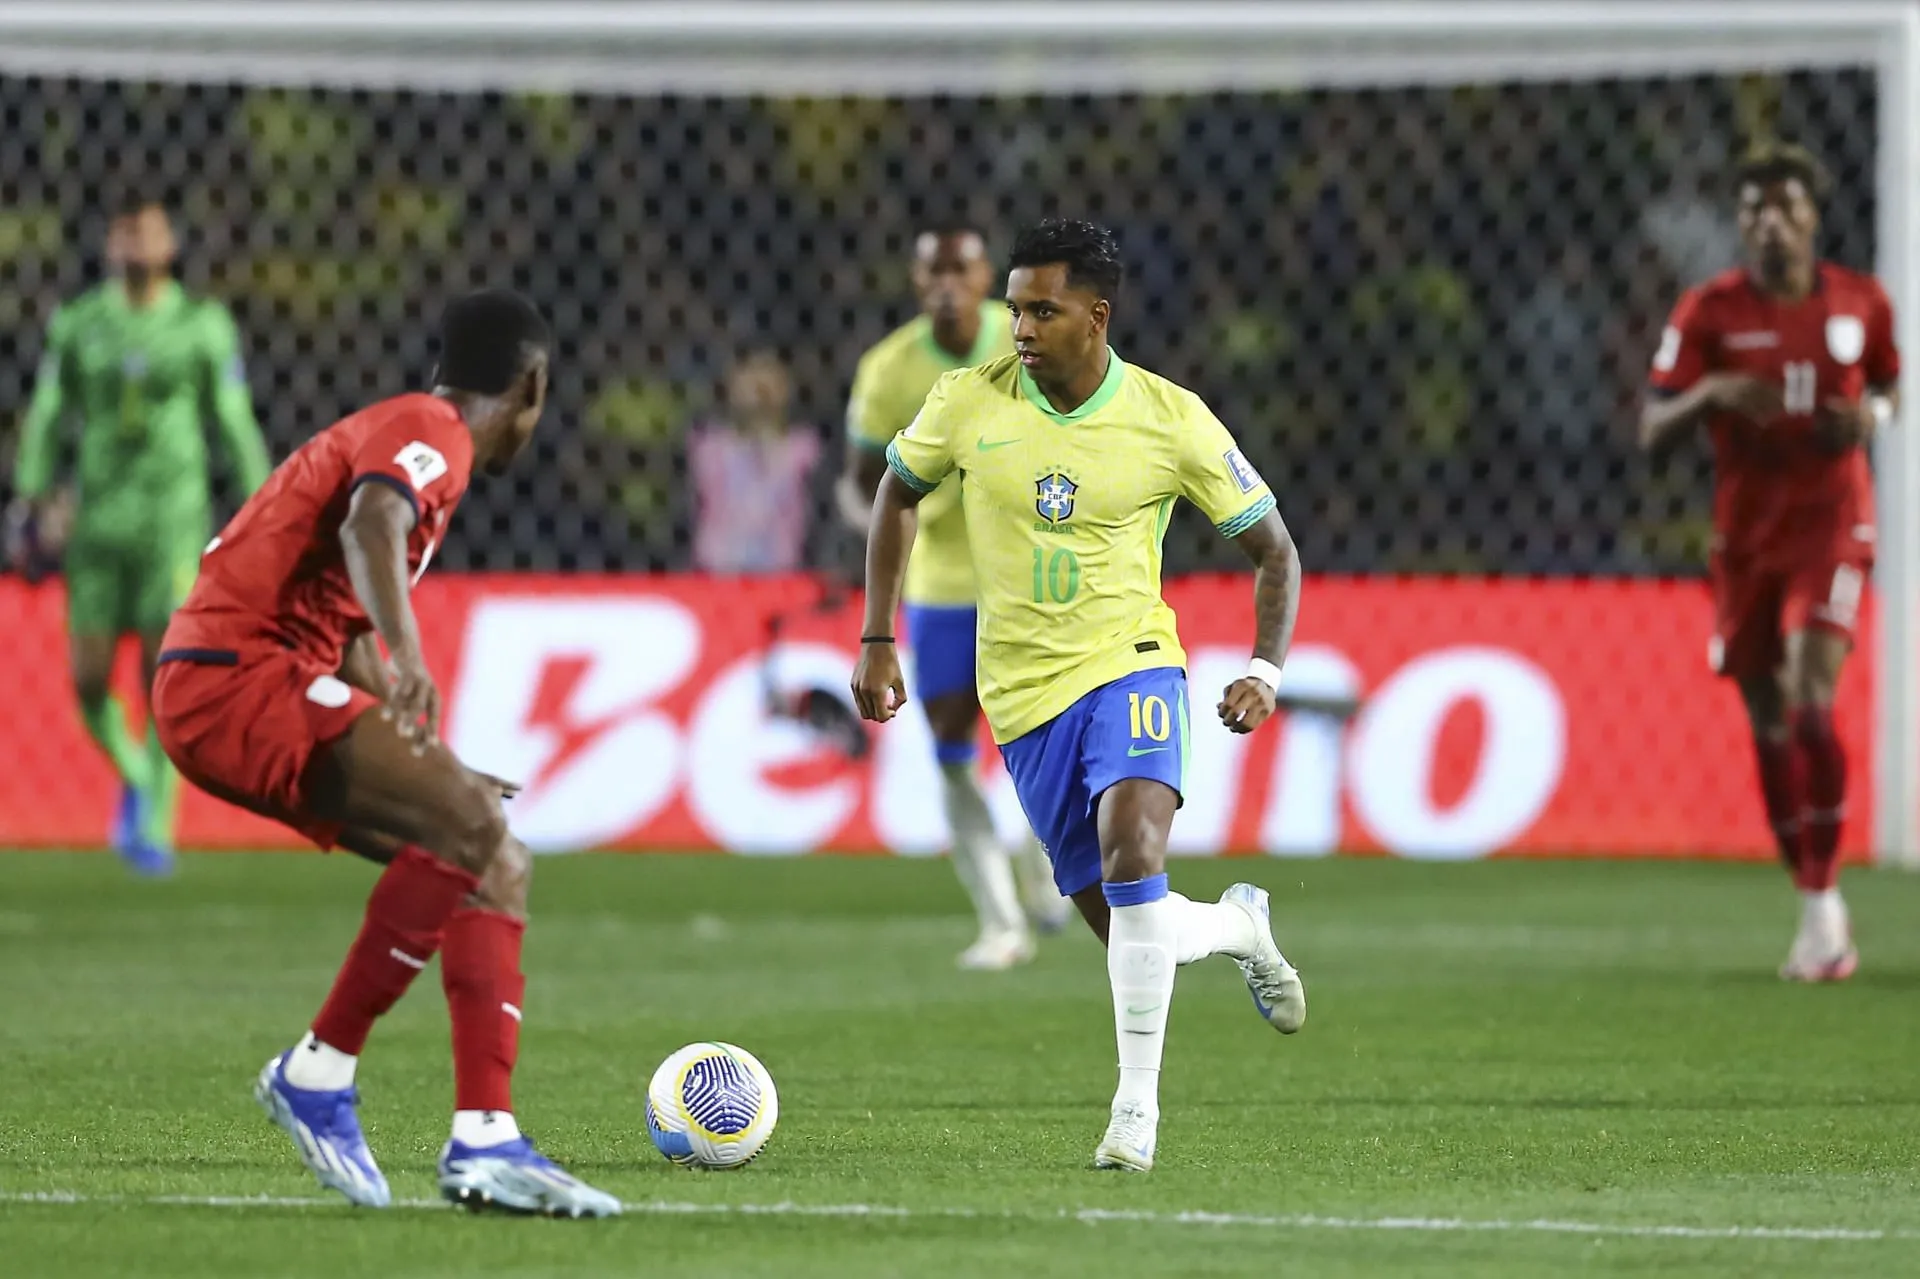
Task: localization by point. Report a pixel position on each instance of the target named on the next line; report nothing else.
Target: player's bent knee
(477, 832)
(504, 887)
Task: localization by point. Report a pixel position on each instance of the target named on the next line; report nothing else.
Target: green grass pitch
(1508, 1069)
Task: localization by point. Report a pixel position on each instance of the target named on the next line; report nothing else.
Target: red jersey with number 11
(277, 573)
(1779, 491)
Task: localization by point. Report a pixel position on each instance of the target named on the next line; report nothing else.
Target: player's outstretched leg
(1150, 931)
(449, 830)
(488, 1163)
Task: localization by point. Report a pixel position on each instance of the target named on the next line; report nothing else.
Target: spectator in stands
(752, 498)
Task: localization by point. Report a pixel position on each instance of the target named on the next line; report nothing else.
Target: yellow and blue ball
(711, 1105)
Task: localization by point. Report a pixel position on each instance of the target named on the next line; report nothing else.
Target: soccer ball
(711, 1106)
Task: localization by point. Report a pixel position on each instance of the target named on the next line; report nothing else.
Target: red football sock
(1826, 811)
(406, 916)
(480, 970)
(1781, 789)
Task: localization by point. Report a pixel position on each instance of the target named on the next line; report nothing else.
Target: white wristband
(1264, 671)
(1882, 408)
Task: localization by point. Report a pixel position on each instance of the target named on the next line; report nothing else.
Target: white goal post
(906, 47)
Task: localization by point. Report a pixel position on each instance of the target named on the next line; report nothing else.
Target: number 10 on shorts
(1149, 717)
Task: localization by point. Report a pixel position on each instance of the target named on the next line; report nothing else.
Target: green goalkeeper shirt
(140, 381)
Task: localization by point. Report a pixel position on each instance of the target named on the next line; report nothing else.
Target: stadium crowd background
(1426, 313)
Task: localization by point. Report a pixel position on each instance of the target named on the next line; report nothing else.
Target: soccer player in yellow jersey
(1070, 463)
(957, 327)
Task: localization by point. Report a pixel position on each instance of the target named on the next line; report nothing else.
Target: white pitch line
(1087, 1216)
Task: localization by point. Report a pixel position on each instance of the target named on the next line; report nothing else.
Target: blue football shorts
(940, 637)
(1136, 726)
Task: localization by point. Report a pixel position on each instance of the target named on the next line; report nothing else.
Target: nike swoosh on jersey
(1134, 752)
(989, 446)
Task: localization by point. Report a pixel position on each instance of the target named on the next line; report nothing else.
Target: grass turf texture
(1574, 1042)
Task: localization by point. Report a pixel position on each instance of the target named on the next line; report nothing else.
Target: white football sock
(484, 1127)
(320, 1067)
(1823, 914)
(978, 859)
(1210, 928)
(1140, 942)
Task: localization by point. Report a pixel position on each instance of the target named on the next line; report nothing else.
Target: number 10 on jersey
(1056, 577)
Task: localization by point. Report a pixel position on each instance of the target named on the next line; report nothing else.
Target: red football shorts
(245, 726)
(1756, 606)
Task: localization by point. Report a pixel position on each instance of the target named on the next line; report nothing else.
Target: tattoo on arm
(1276, 586)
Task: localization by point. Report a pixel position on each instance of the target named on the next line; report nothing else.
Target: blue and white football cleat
(325, 1129)
(141, 854)
(514, 1177)
(1277, 990)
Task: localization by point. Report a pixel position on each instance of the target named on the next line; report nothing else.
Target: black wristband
(876, 639)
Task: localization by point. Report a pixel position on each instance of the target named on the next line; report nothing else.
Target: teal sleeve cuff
(905, 472)
(1247, 518)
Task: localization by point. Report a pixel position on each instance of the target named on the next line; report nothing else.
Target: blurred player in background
(1790, 363)
(272, 694)
(1072, 463)
(958, 327)
(138, 362)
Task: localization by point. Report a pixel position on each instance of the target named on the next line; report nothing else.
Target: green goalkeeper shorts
(119, 589)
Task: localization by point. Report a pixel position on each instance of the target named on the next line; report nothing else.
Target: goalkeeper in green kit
(138, 363)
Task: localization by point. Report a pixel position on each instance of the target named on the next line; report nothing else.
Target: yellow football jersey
(1064, 514)
(891, 384)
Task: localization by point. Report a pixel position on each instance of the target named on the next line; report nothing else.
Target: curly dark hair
(1780, 161)
(1088, 251)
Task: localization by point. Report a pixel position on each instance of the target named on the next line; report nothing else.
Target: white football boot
(1128, 1145)
(997, 949)
(1823, 949)
(1278, 993)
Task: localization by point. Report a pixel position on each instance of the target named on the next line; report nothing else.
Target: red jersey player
(271, 693)
(1790, 362)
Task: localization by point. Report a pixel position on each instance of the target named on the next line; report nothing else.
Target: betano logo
(625, 726)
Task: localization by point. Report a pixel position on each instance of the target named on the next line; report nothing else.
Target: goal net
(1417, 257)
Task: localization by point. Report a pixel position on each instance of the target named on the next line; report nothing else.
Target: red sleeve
(1882, 358)
(1682, 358)
(426, 456)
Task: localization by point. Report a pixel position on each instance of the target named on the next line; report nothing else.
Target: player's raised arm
(373, 539)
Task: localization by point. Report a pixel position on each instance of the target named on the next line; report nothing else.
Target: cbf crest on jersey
(1846, 338)
(1053, 497)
